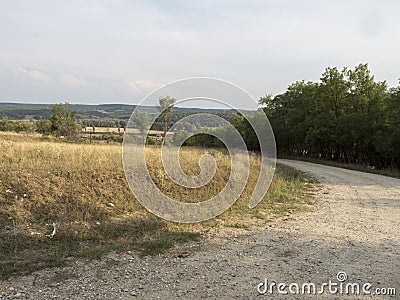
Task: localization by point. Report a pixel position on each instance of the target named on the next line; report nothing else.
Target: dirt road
(355, 229)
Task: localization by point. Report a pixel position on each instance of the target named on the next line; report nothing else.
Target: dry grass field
(82, 189)
(115, 130)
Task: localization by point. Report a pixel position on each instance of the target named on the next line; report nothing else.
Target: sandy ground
(355, 229)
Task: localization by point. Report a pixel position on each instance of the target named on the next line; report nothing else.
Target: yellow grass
(82, 188)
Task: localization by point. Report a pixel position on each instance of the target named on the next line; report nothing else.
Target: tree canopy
(347, 116)
(165, 108)
(63, 122)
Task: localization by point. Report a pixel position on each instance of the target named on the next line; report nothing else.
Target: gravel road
(355, 229)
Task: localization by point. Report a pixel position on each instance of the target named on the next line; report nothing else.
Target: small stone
(112, 256)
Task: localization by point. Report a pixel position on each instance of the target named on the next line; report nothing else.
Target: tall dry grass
(82, 188)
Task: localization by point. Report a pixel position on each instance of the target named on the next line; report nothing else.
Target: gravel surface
(355, 229)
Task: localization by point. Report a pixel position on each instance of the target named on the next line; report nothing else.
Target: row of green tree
(347, 116)
(62, 122)
(16, 125)
(116, 123)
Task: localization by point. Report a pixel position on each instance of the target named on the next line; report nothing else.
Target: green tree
(6, 124)
(368, 101)
(16, 125)
(165, 108)
(290, 115)
(141, 121)
(329, 127)
(43, 127)
(387, 138)
(63, 121)
(346, 116)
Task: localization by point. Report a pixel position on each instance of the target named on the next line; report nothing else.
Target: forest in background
(347, 116)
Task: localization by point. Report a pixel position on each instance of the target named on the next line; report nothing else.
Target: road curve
(355, 229)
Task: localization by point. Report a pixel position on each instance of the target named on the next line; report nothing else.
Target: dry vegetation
(82, 188)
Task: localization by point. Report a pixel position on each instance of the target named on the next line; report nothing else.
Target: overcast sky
(118, 51)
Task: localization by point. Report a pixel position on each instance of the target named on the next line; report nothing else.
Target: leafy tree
(141, 121)
(15, 125)
(290, 115)
(43, 127)
(346, 116)
(6, 124)
(330, 108)
(63, 121)
(387, 138)
(165, 108)
(368, 99)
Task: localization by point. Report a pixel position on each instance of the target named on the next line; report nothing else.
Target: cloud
(72, 80)
(140, 86)
(34, 74)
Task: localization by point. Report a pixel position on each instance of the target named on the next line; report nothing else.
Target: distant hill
(26, 111)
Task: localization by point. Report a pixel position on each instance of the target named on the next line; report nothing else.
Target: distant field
(104, 129)
(115, 130)
(82, 188)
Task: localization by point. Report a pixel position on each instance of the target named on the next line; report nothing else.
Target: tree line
(62, 122)
(347, 116)
(16, 125)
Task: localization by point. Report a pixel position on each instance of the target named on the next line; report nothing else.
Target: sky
(118, 51)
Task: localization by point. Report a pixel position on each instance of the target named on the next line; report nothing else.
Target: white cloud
(141, 86)
(34, 74)
(72, 80)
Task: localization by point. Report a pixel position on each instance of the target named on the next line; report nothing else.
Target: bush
(16, 126)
